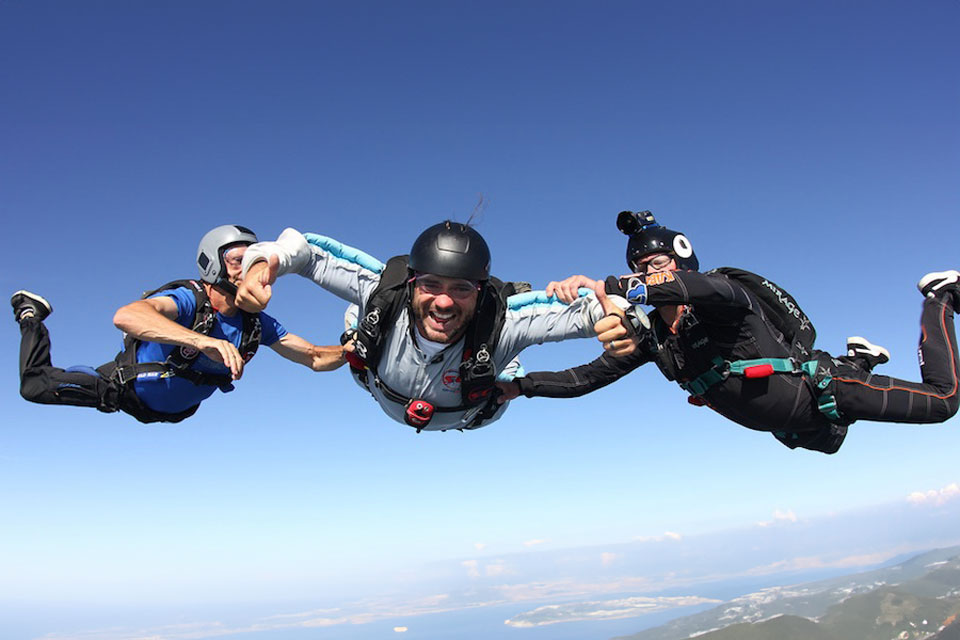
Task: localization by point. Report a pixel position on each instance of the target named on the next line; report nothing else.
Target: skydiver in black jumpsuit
(703, 319)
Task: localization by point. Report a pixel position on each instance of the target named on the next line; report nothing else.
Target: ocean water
(238, 622)
(481, 623)
(474, 624)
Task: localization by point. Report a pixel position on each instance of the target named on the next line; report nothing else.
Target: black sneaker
(864, 354)
(29, 305)
(942, 282)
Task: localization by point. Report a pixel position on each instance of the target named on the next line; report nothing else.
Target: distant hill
(952, 632)
(916, 600)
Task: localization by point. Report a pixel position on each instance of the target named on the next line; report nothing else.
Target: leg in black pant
(861, 396)
(41, 382)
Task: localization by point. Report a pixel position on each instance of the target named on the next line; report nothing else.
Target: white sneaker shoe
(29, 305)
(933, 282)
(865, 354)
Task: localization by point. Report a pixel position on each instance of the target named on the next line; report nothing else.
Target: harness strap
(128, 373)
(826, 401)
(180, 360)
(763, 367)
(715, 374)
(481, 412)
(395, 396)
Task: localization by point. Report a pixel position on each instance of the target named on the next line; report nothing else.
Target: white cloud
(819, 562)
(400, 629)
(479, 546)
(779, 517)
(788, 515)
(472, 569)
(935, 497)
(607, 558)
(533, 543)
(667, 535)
(495, 568)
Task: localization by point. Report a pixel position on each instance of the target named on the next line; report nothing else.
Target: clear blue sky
(817, 143)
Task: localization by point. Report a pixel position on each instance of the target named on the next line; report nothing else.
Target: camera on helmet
(633, 222)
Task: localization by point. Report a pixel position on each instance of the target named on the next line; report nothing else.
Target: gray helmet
(211, 250)
(451, 249)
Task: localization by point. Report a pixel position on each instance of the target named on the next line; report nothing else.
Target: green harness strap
(722, 369)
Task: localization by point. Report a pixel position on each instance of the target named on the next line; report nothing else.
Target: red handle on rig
(758, 371)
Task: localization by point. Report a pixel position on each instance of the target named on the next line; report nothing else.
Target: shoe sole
(857, 342)
(947, 277)
(36, 298)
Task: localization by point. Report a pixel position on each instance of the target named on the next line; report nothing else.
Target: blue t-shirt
(175, 394)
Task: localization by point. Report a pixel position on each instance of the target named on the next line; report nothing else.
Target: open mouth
(440, 320)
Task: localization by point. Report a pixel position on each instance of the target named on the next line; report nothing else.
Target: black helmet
(451, 249)
(211, 250)
(647, 236)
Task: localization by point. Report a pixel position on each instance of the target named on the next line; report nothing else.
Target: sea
(226, 622)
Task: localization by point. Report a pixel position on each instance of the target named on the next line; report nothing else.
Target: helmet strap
(225, 286)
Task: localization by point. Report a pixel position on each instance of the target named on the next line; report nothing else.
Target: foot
(29, 305)
(864, 354)
(939, 283)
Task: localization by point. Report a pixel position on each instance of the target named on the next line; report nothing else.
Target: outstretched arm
(154, 320)
(340, 269)
(681, 287)
(575, 382)
(296, 349)
(534, 318)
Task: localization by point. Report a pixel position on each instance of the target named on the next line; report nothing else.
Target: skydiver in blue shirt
(182, 342)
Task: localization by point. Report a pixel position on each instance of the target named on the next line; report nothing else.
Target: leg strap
(763, 367)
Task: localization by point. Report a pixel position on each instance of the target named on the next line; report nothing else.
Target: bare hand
(568, 290)
(508, 391)
(225, 353)
(255, 291)
(616, 339)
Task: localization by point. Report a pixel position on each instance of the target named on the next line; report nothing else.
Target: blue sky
(816, 143)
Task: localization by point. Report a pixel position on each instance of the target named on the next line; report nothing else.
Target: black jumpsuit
(721, 318)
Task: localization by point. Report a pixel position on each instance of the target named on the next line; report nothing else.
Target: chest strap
(128, 373)
(474, 415)
(764, 367)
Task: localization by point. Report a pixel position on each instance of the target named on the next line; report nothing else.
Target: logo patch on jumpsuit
(451, 380)
(659, 278)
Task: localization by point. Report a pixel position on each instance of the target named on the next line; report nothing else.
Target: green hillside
(781, 628)
(884, 614)
(909, 601)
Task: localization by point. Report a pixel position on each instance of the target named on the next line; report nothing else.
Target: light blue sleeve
(346, 272)
(345, 252)
(513, 370)
(535, 318)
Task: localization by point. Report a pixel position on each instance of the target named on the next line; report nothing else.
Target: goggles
(435, 286)
(658, 262)
(234, 257)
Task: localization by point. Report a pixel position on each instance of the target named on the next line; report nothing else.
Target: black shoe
(865, 355)
(940, 283)
(28, 305)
